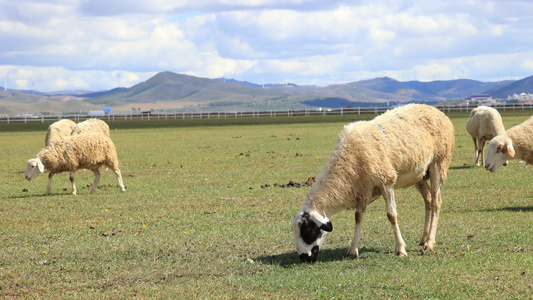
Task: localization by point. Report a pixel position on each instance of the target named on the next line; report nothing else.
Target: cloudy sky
(54, 45)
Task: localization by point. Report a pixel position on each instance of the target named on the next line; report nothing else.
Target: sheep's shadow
(462, 167)
(511, 209)
(290, 259)
(29, 195)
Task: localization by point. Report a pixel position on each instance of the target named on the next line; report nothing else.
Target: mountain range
(168, 91)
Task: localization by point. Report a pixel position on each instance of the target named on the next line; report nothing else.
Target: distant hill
(434, 90)
(102, 93)
(185, 89)
(515, 87)
(168, 91)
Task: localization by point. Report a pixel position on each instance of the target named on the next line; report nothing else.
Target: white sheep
(68, 154)
(515, 143)
(403, 147)
(484, 124)
(92, 126)
(59, 129)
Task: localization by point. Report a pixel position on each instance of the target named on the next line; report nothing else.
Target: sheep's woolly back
(522, 139)
(59, 129)
(85, 151)
(484, 122)
(92, 126)
(391, 149)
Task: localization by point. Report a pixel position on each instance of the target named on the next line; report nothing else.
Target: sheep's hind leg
(392, 214)
(119, 178)
(353, 251)
(481, 149)
(436, 202)
(71, 177)
(423, 188)
(96, 180)
(476, 151)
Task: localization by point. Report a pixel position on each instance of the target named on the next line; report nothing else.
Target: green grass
(195, 222)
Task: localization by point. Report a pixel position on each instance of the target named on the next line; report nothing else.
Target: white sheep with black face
(308, 236)
(403, 147)
(516, 143)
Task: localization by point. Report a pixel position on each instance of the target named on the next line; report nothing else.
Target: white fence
(244, 114)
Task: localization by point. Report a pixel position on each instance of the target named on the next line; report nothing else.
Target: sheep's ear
(510, 149)
(327, 227)
(322, 222)
(506, 149)
(40, 166)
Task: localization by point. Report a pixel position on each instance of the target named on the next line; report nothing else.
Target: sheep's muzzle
(310, 259)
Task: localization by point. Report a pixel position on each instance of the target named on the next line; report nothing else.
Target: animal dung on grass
(403, 147)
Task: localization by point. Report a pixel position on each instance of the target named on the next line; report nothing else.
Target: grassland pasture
(196, 223)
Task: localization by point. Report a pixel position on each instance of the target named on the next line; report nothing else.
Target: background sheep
(59, 129)
(85, 151)
(484, 124)
(516, 143)
(92, 126)
(403, 147)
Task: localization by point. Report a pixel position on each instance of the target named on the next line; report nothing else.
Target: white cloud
(85, 43)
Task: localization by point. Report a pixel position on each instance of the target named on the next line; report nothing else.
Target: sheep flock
(408, 146)
(70, 147)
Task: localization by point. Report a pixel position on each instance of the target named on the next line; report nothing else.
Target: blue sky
(99, 44)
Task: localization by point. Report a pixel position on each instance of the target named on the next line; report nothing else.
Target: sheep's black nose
(310, 259)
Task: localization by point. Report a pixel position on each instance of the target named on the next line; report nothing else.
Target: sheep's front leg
(388, 194)
(49, 186)
(74, 191)
(353, 251)
(96, 180)
(119, 179)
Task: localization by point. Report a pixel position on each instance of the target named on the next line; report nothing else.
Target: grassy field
(196, 223)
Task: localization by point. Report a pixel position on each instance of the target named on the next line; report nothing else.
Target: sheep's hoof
(400, 252)
(428, 247)
(354, 256)
(353, 253)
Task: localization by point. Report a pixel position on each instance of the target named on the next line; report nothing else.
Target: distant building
(96, 113)
(481, 98)
(523, 97)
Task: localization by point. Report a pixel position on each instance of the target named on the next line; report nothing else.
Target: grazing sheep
(59, 129)
(515, 143)
(68, 154)
(92, 126)
(484, 124)
(403, 147)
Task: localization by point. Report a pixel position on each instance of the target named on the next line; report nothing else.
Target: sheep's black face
(309, 229)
